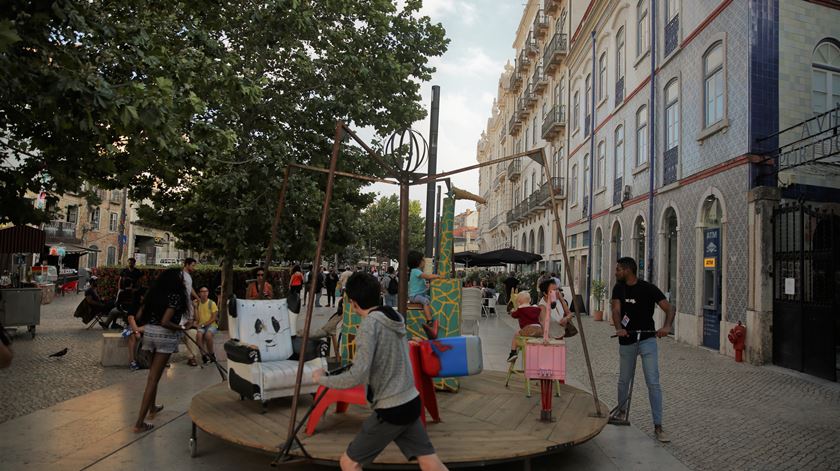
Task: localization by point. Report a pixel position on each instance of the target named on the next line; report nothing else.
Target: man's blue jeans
(650, 364)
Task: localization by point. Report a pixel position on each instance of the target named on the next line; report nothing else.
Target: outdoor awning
(74, 248)
(22, 239)
(496, 258)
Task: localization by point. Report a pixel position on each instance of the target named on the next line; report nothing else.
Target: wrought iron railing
(555, 50)
(514, 169)
(672, 31)
(554, 119)
(61, 229)
(669, 166)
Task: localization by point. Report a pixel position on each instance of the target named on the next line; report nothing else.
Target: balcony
(559, 192)
(619, 91)
(530, 97)
(60, 231)
(531, 49)
(521, 111)
(554, 122)
(522, 63)
(514, 170)
(669, 166)
(515, 79)
(552, 6)
(511, 217)
(494, 222)
(672, 31)
(503, 133)
(514, 125)
(617, 189)
(539, 81)
(116, 196)
(501, 171)
(555, 51)
(540, 25)
(535, 202)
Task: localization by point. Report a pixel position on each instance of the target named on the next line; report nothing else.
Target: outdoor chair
(471, 309)
(488, 306)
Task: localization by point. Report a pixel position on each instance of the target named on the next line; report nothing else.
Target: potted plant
(599, 291)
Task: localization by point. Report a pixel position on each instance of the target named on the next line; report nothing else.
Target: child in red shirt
(529, 321)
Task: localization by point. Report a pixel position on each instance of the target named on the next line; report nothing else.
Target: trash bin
(21, 307)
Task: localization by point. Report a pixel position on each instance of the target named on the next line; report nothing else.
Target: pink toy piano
(545, 361)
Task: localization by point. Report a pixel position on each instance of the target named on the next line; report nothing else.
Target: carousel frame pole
(316, 265)
(402, 300)
(575, 306)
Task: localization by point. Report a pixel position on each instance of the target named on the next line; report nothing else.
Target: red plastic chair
(69, 287)
(424, 384)
(342, 398)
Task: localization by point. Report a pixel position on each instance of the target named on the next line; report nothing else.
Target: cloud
(438, 10)
(474, 62)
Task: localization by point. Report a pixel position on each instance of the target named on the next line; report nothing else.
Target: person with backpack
(390, 287)
(382, 363)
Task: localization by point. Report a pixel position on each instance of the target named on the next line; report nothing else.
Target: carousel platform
(484, 423)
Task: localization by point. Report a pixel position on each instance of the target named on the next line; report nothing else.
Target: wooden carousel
(477, 420)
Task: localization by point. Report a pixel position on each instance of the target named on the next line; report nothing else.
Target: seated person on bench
(121, 305)
(529, 321)
(95, 304)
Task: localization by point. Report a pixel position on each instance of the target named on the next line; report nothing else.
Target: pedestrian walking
(390, 287)
(632, 302)
(164, 306)
(331, 282)
(382, 363)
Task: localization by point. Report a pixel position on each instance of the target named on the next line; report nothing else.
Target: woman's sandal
(146, 427)
(153, 411)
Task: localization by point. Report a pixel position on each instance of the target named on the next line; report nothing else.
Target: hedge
(206, 275)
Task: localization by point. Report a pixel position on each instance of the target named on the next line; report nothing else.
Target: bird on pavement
(60, 353)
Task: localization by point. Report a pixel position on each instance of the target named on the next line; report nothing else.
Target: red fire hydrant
(738, 336)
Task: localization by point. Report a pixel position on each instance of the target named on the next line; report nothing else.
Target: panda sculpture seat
(259, 364)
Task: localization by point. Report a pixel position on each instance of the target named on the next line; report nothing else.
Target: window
(561, 87)
(825, 78)
(588, 98)
(602, 77)
(72, 214)
(671, 9)
(639, 245)
(574, 186)
(641, 28)
(92, 256)
(534, 132)
(641, 136)
(619, 152)
(600, 167)
(113, 222)
(541, 240)
(672, 116)
(94, 219)
(558, 162)
(713, 85)
(585, 179)
(619, 55)
(112, 256)
(576, 111)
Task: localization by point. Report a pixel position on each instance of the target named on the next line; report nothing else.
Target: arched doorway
(670, 247)
(541, 242)
(639, 235)
(524, 246)
(711, 279)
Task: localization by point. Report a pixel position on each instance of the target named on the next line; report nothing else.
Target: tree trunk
(227, 290)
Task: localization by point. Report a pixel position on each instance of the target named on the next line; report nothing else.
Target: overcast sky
(481, 34)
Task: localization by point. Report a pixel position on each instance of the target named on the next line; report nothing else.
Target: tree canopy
(380, 228)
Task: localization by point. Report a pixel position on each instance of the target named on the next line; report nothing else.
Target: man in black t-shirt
(633, 302)
(131, 273)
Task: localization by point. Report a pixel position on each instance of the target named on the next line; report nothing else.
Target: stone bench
(114, 349)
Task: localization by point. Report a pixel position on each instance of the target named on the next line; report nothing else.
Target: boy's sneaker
(204, 358)
(431, 329)
(133, 366)
(513, 356)
(661, 435)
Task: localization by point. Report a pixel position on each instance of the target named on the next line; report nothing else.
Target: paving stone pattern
(721, 414)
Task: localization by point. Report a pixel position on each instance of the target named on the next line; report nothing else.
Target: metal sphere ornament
(406, 149)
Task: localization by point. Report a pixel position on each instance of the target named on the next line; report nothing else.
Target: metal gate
(806, 288)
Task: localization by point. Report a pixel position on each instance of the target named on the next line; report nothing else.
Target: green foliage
(599, 292)
(380, 229)
(204, 275)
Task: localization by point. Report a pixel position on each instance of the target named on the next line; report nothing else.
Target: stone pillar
(761, 202)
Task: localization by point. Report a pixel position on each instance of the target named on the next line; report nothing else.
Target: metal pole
(403, 273)
(430, 187)
(437, 228)
(575, 306)
(651, 146)
(316, 266)
(281, 204)
(591, 181)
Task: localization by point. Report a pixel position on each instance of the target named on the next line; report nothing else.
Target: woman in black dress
(164, 305)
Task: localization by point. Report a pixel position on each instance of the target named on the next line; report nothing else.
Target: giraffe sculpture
(445, 294)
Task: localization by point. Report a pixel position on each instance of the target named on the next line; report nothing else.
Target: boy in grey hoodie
(383, 364)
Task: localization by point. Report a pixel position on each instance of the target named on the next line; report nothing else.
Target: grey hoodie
(381, 361)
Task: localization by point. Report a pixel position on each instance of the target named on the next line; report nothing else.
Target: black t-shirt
(510, 283)
(174, 301)
(93, 294)
(134, 274)
(637, 303)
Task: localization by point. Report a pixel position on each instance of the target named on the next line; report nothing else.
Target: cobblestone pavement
(36, 381)
(721, 414)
